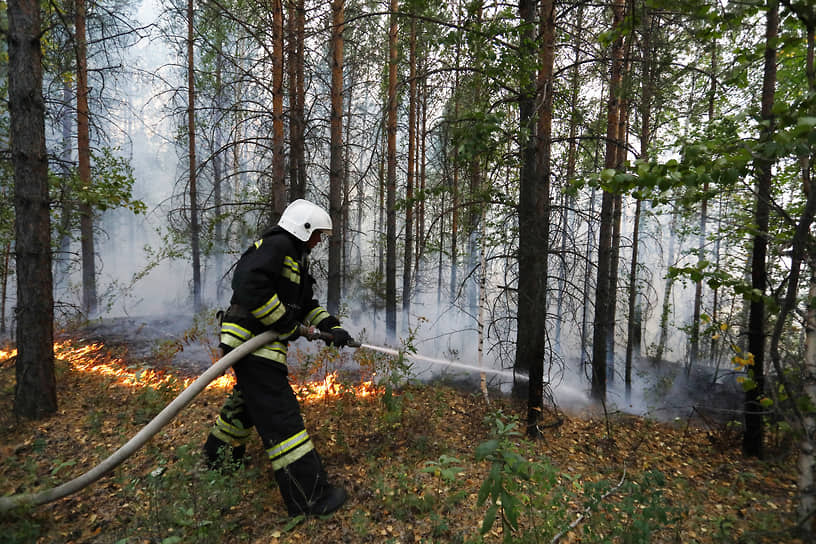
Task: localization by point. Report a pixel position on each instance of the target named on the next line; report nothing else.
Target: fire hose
(151, 429)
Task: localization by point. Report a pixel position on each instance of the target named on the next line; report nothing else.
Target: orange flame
(331, 387)
(96, 359)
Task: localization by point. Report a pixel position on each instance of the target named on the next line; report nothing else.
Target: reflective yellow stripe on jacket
(316, 316)
(291, 270)
(234, 335)
(270, 311)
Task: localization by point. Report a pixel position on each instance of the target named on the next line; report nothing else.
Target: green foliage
(186, 503)
(515, 485)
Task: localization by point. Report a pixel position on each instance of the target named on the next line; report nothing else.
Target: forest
(611, 198)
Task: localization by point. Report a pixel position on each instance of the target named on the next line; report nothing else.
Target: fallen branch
(583, 515)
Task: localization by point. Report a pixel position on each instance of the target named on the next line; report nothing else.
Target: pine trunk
(193, 174)
(752, 440)
(35, 394)
(604, 311)
(86, 220)
(336, 158)
(391, 180)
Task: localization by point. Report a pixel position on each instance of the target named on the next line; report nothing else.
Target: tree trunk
(534, 212)
(604, 312)
(633, 327)
(807, 447)
(277, 192)
(62, 261)
(89, 296)
(752, 443)
(5, 272)
(568, 201)
(35, 394)
(336, 159)
(665, 308)
(391, 181)
(297, 161)
(218, 176)
(408, 256)
(193, 174)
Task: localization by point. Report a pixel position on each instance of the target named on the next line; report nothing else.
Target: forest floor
(413, 457)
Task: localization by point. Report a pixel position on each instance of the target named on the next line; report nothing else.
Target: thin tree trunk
(752, 443)
(604, 312)
(391, 181)
(633, 329)
(62, 260)
(218, 176)
(191, 131)
(4, 285)
(277, 193)
(408, 256)
(665, 308)
(807, 447)
(86, 220)
(336, 158)
(297, 162)
(568, 201)
(35, 394)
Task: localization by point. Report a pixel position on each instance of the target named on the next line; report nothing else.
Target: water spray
(443, 362)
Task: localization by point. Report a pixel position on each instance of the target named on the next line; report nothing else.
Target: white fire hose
(150, 430)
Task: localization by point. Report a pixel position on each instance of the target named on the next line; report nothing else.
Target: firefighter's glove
(340, 337)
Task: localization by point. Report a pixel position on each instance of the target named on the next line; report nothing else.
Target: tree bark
(604, 311)
(191, 153)
(336, 159)
(277, 192)
(534, 212)
(391, 180)
(297, 100)
(408, 256)
(35, 394)
(752, 440)
(86, 219)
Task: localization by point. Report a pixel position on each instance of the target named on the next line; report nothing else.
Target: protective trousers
(264, 399)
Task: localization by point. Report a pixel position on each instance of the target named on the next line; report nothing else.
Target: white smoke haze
(150, 296)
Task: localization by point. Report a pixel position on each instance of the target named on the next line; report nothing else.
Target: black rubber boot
(333, 498)
(305, 488)
(222, 456)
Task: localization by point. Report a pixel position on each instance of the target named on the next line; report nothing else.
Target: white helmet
(301, 218)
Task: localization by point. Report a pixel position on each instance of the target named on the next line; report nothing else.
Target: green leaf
(486, 449)
(490, 518)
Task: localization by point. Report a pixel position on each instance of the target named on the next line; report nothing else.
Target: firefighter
(272, 289)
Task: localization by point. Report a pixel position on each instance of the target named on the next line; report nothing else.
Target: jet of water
(443, 362)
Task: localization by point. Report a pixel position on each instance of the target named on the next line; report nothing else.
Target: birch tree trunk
(807, 448)
(408, 256)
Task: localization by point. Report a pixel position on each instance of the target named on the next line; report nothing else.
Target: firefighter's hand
(340, 337)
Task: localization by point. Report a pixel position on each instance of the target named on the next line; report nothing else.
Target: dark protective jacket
(272, 290)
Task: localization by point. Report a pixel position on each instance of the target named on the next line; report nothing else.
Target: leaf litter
(391, 457)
